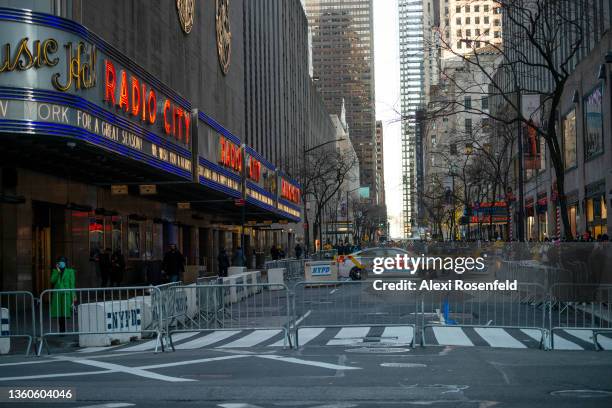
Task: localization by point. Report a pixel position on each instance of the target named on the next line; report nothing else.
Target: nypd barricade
(316, 271)
(100, 316)
(17, 321)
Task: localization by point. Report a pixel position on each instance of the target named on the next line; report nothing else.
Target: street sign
(119, 189)
(239, 202)
(183, 206)
(147, 189)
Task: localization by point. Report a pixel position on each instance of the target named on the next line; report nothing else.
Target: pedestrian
(104, 263)
(173, 264)
(238, 259)
(298, 251)
(62, 279)
(117, 268)
(274, 253)
(223, 261)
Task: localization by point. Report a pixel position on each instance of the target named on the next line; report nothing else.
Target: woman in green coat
(62, 277)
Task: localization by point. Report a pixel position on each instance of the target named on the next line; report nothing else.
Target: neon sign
(290, 192)
(138, 99)
(230, 154)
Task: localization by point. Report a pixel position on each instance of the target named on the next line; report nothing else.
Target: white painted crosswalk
(568, 339)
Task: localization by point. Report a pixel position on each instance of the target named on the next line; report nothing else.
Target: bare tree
(542, 42)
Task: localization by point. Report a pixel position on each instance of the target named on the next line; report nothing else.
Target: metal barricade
(216, 307)
(294, 268)
(99, 316)
(17, 319)
(520, 309)
(335, 304)
(581, 306)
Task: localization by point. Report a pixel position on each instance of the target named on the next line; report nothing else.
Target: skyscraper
(411, 44)
(343, 68)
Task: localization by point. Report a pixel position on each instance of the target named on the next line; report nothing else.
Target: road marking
(238, 405)
(453, 336)
(559, 343)
(298, 321)
(109, 405)
(150, 345)
(129, 370)
(307, 334)
(534, 334)
(252, 339)
(27, 362)
(188, 362)
(397, 335)
(349, 335)
(308, 362)
(207, 340)
(96, 349)
(74, 374)
(497, 337)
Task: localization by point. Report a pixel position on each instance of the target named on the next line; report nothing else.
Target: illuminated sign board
(97, 96)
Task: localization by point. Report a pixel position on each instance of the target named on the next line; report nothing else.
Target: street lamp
(452, 172)
(347, 207)
(323, 144)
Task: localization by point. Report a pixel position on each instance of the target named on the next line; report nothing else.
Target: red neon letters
(254, 169)
(290, 192)
(140, 101)
(230, 155)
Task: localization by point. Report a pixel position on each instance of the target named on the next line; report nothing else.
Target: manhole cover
(379, 350)
(403, 365)
(582, 393)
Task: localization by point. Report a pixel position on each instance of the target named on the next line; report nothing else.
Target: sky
(386, 66)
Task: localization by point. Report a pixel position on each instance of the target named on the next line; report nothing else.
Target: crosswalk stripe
(559, 343)
(587, 336)
(451, 336)
(397, 335)
(252, 339)
(207, 340)
(349, 335)
(150, 345)
(96, 349)
(304, 336)
(497, 337)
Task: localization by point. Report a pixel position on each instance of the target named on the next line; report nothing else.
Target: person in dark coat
(238, 259)
(274, 253)
(104, 262)
(117, 268)
(223, 261)
(298, 251)
(173, 264)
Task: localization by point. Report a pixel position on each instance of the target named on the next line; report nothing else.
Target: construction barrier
(235, 307)
(101, 316)
(581, 307)
(336, 303)
(17, 319)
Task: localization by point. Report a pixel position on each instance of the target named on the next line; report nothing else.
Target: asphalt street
(321, 376)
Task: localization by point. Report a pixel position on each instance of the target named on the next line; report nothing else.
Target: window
(468, 33)
(458, 20)
(593, 129)
(458, 9)
(458, 33)
(486, 8)
(459, 44)
(467, 9)
(496, 34)
(467, 101)
(468, 127)
(496, 22)
(476, 20)
(486, 19)
(485, 102)
(453, 149)
(468, 20)
(569, 139)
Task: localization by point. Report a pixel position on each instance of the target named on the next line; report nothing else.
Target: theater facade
(97, 151)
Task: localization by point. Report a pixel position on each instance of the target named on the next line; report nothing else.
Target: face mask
(62, 265)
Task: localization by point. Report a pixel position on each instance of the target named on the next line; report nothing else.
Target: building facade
(343, 69)
(140, 146)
